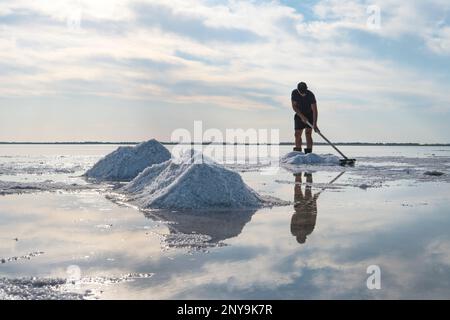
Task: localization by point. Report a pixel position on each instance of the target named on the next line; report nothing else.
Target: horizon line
(218, 143)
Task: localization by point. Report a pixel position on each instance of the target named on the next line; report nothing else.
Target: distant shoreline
(247, 144)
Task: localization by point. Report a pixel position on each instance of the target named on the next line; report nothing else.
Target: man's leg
(309, 140)
(308, 189)
(298, 140)
(298, 193)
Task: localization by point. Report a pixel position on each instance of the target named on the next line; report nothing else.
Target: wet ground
(74, 243)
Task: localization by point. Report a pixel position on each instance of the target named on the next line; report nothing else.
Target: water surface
(319, 247)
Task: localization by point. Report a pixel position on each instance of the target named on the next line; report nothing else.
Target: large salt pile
(299, 158)
(187, 183)
(126, 163)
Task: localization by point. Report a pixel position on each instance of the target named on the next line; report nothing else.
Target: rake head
(347, 162)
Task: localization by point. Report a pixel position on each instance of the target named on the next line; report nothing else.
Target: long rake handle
(325, 138)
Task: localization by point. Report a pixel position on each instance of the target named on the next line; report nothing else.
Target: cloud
(25, 17)
(200, 58)
(425, 20)
(439, 41)
(166, 19)
(11, 69)
(131, 63)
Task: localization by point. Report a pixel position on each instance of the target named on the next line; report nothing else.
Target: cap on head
(302, 87)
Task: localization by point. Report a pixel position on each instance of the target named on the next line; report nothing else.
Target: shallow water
(87, 246)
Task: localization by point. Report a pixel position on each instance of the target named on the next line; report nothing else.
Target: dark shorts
(300, 125)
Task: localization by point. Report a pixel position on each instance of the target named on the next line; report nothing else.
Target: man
(305, 108)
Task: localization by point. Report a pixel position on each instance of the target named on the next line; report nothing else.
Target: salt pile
(126, 163)
(298, 158)
(188, 183)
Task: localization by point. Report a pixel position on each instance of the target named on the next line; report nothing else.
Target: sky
(124, 70)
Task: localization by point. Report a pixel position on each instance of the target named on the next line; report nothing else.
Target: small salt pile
(126, 163)
(299, 158)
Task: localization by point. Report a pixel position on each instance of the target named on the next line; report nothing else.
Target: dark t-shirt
(304, 103)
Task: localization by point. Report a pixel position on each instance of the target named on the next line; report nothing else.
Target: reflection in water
(305, 204)
(304, 219)
(198, 230)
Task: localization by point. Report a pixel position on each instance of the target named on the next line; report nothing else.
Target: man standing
(305, 107)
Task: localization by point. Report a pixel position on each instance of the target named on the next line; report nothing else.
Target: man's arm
(297, 111)
(294, 106)
(315, 116)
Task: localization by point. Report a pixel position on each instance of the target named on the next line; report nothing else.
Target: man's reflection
(303, 221)
(305, 204)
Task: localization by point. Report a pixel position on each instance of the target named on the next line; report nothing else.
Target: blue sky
(133, 70)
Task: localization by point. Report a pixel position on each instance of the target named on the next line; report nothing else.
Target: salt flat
(385, 211)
